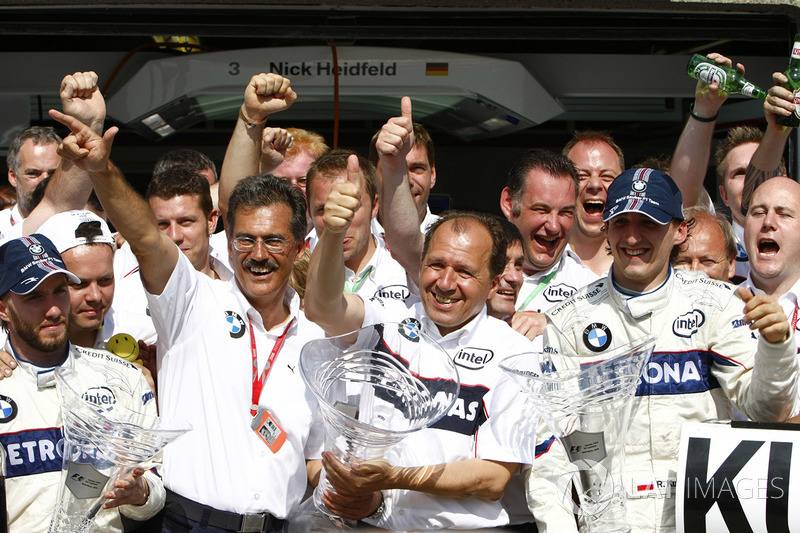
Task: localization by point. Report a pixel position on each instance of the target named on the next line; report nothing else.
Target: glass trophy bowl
(587, 407)
(374, 386)
(103, 441)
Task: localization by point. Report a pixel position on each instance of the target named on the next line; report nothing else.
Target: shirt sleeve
(760, 377)
(170, 308)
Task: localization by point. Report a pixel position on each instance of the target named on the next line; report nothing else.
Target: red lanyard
(794, 317)
(258, 381)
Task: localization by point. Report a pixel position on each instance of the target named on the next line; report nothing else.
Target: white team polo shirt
(10, 218)
(790, 303)
(205, 377)
(554, 285)
(427, 222)
(382, 277)
(742, 261)
(129, 311)
(477, 348)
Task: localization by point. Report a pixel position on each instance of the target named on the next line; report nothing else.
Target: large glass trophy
(587, 407)
(374, 386)
(103, 441)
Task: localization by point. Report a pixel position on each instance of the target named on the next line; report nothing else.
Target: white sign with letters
(738, 480)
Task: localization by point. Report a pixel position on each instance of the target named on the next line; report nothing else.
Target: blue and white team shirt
(462, 434)
(31, 436)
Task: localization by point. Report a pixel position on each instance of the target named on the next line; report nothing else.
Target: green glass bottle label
(796, 50)
(797, 103)
(748, 89)
(708, 73)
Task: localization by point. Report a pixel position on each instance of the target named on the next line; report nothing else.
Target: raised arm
(265, 94)
(399, 214)
(130, 214)
(690, 160)
(326, 303)
(69, 188)
(766, 159)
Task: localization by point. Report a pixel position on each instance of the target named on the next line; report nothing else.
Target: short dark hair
(461, 221)
(181, 181)
(556, 165)
(512, 232)
(335, 162)
(265, 190)
(186, 158)
(595, 137)
(421, 138)
(38, 134)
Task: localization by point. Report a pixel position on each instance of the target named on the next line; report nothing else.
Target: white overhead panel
(471, 97)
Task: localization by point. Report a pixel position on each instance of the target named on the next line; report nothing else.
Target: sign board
(738, 479)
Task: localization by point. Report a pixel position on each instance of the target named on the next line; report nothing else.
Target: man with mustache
(228, 350)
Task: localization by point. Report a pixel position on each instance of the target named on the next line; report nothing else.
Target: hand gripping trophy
(587, 407)
(374, 386)
(103, 440)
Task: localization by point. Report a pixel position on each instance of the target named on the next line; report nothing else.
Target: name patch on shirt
(679, 373)
(35, 451)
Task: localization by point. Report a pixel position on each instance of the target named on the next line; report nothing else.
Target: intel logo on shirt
(473, 358)
(394, 292)
(558, 293)
(687, 324)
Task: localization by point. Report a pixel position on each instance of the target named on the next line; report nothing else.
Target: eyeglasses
(274, 245)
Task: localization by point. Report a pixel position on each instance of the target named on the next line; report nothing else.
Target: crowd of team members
(319, 242)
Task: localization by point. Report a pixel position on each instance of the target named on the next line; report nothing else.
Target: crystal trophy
(587, 407)
(374, 386)
(103, 441)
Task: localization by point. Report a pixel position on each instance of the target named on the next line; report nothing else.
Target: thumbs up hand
(344, 199)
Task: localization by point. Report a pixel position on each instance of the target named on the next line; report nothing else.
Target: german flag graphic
(436, 69)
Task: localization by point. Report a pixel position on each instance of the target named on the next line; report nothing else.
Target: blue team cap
(646, 191)
(28, 261)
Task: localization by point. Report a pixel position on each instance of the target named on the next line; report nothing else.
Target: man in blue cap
(705, 358)
(34, 311)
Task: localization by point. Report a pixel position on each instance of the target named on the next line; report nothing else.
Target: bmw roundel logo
(8, 409)
(236, 327)
(597, 337)
(36, 249)
(409, 328)
(639, 186)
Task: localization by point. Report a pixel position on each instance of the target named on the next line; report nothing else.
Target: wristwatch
(378, 512)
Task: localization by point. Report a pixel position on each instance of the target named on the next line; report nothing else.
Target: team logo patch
(36, 249)
(639, 186)
(409, 328)
(8, 409)
(236, 327)
(687, 324)
(473, 358)
(559, 293)
(102, 397)
(597, 337)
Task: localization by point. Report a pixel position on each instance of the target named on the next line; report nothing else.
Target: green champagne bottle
(728, 79)
(793, 73)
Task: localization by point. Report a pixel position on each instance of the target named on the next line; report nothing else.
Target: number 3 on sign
(234, 71)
